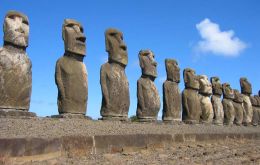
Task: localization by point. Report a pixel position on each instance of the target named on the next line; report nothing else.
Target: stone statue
(246, 90)
(15, 67)
(216, 101)
(205, 92)
(255, 100)
(113, 80)
(171, 92)
(191, 110)
(228, 107)
(148, 97)
(71, 73)
(238, 106)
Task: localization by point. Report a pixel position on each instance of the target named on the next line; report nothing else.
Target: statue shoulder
(1, 50)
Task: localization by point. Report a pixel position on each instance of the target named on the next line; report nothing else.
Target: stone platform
(38, 139)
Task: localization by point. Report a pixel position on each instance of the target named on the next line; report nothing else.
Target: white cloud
(216, 41)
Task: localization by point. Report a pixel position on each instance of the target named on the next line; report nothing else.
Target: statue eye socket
(81, 29)
(11, 16)
(25, 22)
(112, 34)
(70, 25)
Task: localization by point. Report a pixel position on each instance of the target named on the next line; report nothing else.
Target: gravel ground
(225, 152)
(48, 127)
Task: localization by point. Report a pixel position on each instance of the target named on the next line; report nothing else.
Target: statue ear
(185, 77)
(107, 42)
(63, 33)
(141, 61)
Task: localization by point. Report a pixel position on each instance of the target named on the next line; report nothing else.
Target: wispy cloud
(216, 41)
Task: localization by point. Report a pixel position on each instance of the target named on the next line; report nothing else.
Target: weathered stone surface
(205, 92)
(71, 73)
(191, 110)
(238, 106)
(148, 97)
(13, 113)
(255, 100)
(15, 65)
(171, 92)
(113, 80)
(216, 101)
(246, 90)
(228, 107)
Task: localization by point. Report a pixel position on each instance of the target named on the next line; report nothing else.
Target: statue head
(245, 85)
(147, 63)
(205, 85)
(258, 100)
(227, 91)
(73, 37)
(16, 29)
(238, 97)
(216, 86)
(191, 80)
(254, 100)
(115, 46)
(172, 70)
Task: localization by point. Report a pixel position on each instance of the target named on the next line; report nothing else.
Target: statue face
(216, 86)
(258, 100)
(228, 91)
(246, 87)
(190, 79)
(238, 97)
(16, 29)
(147, 63)
(254, 100)
(116, 47)
(205, 85)
(173, 70)
(74, 39)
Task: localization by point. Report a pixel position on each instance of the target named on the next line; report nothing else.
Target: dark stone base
(13, 113)
(71, 116)
(114, 118)
(147, 119)
(191, 122)
(172, 121)
(217, 123)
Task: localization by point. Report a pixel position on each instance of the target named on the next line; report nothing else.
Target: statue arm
(58, 80)
(165, 96)
(104, 85)
(185, 103)
(140, 95)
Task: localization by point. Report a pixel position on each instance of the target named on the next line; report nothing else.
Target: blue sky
(170, 28)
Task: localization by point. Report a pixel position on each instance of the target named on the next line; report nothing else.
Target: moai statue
(15, 67)
(238, 106)
(255, 100)
(205, 92)
(216, 101)
(171, 92)
(191, 110)
(228, 107)
(148, 97)
(113, 80)
(71, 73)
(246, 90)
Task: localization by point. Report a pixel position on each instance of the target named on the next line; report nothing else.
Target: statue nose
(20, 30)
(154, 63)
(123, 46)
